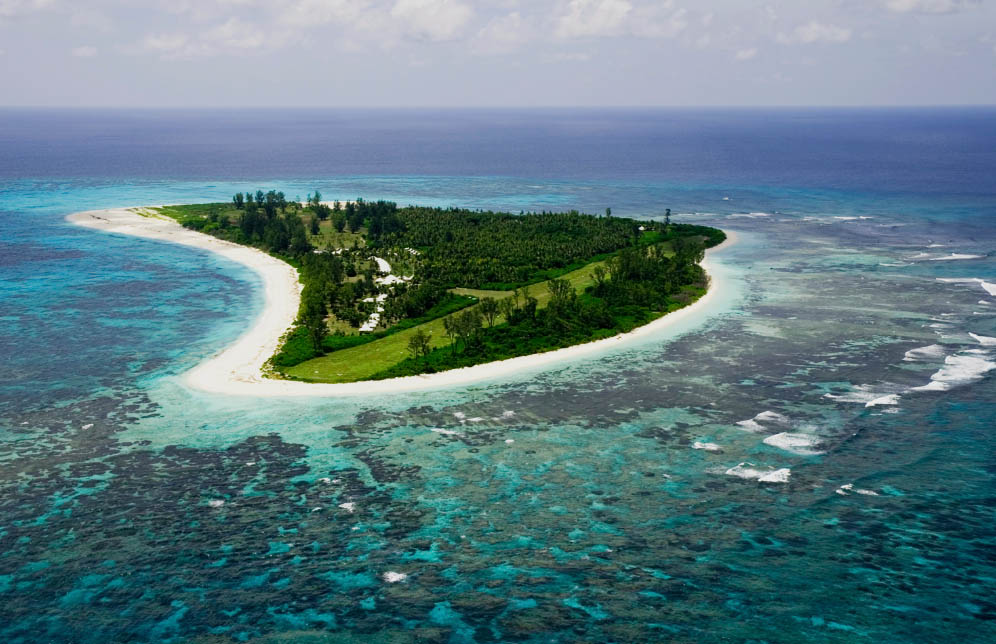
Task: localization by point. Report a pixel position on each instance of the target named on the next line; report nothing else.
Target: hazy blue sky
(496, 52)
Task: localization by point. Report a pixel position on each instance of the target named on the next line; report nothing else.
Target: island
(382, 292)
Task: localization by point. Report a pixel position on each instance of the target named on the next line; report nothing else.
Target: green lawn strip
(481, 293)
(191, 212)
(362, 362)
(358, 363)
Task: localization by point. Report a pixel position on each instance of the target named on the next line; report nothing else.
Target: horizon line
(882, 106)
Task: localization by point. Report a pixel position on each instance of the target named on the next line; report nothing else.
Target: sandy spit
(237, 370)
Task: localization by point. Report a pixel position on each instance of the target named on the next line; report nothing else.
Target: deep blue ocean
(813, 459)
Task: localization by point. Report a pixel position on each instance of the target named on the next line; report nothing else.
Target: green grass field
(480, 293)
(329, 238)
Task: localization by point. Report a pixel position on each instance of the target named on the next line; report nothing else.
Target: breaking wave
(932, 352)
(765, 475)
(961, 369)
(800, 444)
(988, 286)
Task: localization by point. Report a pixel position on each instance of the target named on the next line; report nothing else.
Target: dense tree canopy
(498, 250)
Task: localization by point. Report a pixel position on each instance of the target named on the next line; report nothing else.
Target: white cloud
(358, 24)
(570, 57)
(214, 10)
(349, 25)
(746, 54)
(502, 35)
(311, 13)
(13, 8)
(91, 21)
(607, 18)
(236, 34)
(435, 20)
(593, 18)
(86, 51)
(164, 42)
(658, 21)
(233, 37)
(929, 6)
(167, 45)
(815, 32)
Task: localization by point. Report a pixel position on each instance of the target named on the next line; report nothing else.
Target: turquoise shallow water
(614, 498)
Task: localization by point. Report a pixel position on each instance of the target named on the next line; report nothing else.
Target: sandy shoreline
(237, 370)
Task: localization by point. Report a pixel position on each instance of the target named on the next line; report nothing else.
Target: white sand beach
(238, 369)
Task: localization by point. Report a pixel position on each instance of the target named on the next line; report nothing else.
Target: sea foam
(801, 444)
(844, 490)
(771, 417)
(890, 399)
(987, 286)
(954, 256)
(931, 352)
(444, 432)
(863, 394)
(751, 425)
(767, 475)
(958, 370)
(754, 424)
(984, 340)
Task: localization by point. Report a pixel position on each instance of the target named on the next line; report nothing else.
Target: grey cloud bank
(496, 52)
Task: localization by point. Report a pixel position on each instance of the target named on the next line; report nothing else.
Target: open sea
(812, 460)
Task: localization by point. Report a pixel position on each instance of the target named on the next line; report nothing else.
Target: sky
(496, 53)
